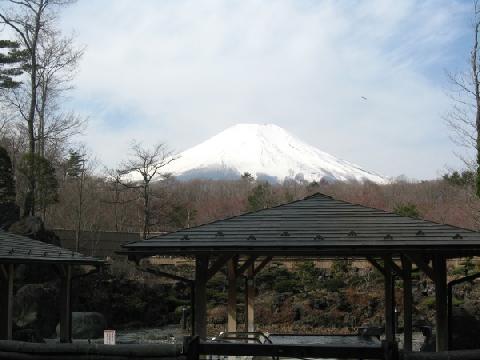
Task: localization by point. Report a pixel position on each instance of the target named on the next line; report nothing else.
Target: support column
(389, 303)
(66, 305)
(441, 307)
(232, 296)
(249, 299)
(407, 304)
(201, 270)
(6, 301)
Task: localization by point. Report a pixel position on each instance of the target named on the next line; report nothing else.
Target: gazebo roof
(318, 225)
(21, 249)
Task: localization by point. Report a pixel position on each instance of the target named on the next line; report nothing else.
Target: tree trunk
(79, 213)
(146, 214)
(477, 104)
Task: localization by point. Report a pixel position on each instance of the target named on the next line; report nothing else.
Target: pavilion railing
(197, 348)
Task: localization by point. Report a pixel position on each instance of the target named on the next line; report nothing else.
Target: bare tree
(117, 198)
(58, 59)
(464, 118)
(144, 166)
(30, 20)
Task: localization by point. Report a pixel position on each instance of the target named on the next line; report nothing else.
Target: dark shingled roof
(317, 225)
(21, 249)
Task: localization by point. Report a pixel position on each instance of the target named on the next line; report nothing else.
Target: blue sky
(180, 71)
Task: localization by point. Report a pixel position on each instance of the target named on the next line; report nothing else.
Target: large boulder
(32, 227)
(87, 325)
(9, 214)
(34, 310)
(465, 328)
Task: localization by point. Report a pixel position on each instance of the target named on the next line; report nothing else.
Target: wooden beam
(66, 305)
(396, 269)
(217, 265)
(232, 296)
(250, 261)
(249, 300)
(3, 272)
(376, 265)
(422, 265)
(407, 304)
(262, 265)
(441, 307)
(201, 268)
(6, 303)
(389, 303)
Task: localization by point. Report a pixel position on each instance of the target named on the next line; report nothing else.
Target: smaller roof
(317, 225)
(21, 249)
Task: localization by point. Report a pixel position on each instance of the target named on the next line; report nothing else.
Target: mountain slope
(265, 151)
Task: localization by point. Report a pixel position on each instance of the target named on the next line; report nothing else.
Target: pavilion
(16, 250)
(322, 227)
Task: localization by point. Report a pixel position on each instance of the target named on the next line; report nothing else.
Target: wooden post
(232, 296)
(66, 305)
(6, 301)
(441, 308)
(249, 299)
(389, 303)
(201, 273)
(407, 304)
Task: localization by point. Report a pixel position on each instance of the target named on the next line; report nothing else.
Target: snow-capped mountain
(266, 152)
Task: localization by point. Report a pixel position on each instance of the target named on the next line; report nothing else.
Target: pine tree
(75, 164)
(46, 190)
(76, 171)
(408, 209)
(261, 197)
(12, 64)
(7, 182)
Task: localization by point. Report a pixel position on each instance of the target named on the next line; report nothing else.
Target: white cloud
(186, 70)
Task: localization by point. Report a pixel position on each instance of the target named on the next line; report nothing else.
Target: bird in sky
(364, 98)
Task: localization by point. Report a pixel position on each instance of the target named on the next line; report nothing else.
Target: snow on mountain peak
(267, 152)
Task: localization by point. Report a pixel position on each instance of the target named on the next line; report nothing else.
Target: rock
(34, 311)
(218, 315)
(369, 331)
(278, 301)
(471, 307)
(429, 343)
(372, 307)
(9, 214)
(32, 227)
(344, 305)
(319, 304)
(298, 312)
(87, 325)
(465, 328)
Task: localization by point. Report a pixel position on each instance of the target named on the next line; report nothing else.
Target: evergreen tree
(76, 171)
(7, 182)
(408, 209)
(12, 64)
(180, 216)
(46, 191)
(75, 164)
(460, 179)
(246, 176)
(261, 197)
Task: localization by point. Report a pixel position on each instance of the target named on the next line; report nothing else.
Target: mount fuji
(267, 152)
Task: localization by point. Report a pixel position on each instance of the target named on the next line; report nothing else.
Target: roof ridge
(318, 194)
